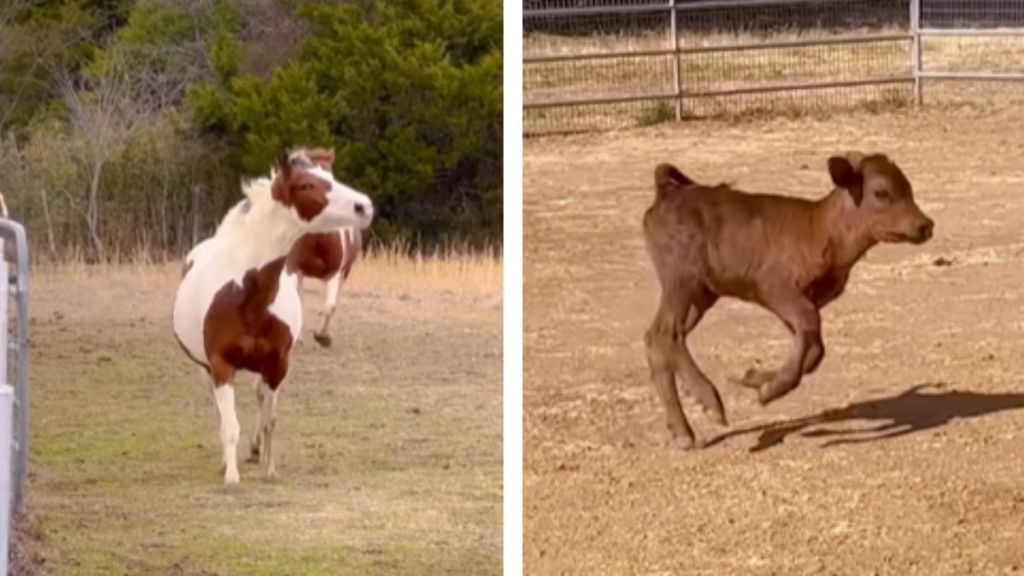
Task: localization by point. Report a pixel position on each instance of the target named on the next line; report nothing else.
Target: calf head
(882, 196)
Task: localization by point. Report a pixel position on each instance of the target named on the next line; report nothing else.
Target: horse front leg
(323, 333)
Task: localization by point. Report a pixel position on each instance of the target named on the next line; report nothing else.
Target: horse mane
(257, 193)
(257, 196)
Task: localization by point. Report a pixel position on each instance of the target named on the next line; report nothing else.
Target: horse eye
(881, 194)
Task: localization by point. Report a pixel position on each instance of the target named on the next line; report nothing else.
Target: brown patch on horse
(295, 186)
(323, 255)
(239, 331)
(317, 255)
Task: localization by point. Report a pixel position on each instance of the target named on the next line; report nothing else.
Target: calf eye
(882, 195)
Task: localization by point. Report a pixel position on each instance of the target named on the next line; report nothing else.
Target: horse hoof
(323, 340)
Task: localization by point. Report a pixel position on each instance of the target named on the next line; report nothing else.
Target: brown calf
(789, 255)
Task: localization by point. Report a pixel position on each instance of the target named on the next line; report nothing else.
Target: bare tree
(103, 118)
(8, 10)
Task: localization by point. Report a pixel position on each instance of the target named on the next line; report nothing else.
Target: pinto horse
(238, 308)
(326, 256)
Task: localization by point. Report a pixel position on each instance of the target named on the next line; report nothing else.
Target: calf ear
(846, 174)
(666, 175)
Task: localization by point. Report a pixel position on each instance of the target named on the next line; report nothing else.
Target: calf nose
(926, 230)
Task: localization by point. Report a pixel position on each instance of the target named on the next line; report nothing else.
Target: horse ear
(284, 165)
(323, 157)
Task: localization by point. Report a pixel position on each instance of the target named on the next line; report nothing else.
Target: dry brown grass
(390, 269)
(602, 492)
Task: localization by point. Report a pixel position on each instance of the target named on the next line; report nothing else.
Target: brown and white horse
(238, 308)
(326, 256)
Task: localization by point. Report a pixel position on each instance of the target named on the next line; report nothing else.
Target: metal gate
(14, 387)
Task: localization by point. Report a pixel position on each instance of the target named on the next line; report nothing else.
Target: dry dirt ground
(901, 455)
(390, 441)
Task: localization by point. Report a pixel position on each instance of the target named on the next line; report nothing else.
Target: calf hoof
(772, 391)
(681, 442)
(754, 378)
(323, 340)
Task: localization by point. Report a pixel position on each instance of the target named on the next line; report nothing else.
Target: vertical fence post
(7, 447)
(6, 480)
(677, 72)
(915, 49)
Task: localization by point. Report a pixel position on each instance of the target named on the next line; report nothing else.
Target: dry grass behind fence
(630, 76)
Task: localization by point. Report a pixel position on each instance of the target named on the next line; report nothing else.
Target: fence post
(677, 72)
(6, 480)
(915, 49)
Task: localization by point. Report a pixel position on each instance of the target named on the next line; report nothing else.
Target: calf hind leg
(663, 375)
(695, 382)
(667, 353)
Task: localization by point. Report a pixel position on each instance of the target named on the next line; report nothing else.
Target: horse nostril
(360, 209)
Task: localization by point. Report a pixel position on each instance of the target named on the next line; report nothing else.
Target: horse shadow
(910, 411)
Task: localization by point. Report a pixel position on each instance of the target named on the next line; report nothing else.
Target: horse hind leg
(257, 437)
(268, 421)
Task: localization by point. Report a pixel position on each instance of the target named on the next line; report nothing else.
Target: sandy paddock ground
(901, 455)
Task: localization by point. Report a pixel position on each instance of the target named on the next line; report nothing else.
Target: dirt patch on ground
(390, 441)
(900, 455)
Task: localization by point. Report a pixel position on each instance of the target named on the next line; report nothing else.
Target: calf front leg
(804, 322)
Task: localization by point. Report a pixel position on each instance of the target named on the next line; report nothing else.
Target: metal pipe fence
(14, 379)
(600, 64)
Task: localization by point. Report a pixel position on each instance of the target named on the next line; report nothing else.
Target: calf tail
(668, 178)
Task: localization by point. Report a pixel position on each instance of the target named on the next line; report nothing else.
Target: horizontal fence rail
(600, 64)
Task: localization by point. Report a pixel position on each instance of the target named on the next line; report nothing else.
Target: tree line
(127, 125)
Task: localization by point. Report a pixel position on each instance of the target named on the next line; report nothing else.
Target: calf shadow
(908, 412)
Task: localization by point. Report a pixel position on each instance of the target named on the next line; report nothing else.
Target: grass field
(900, 456)
(629, 76)
(390, 441)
